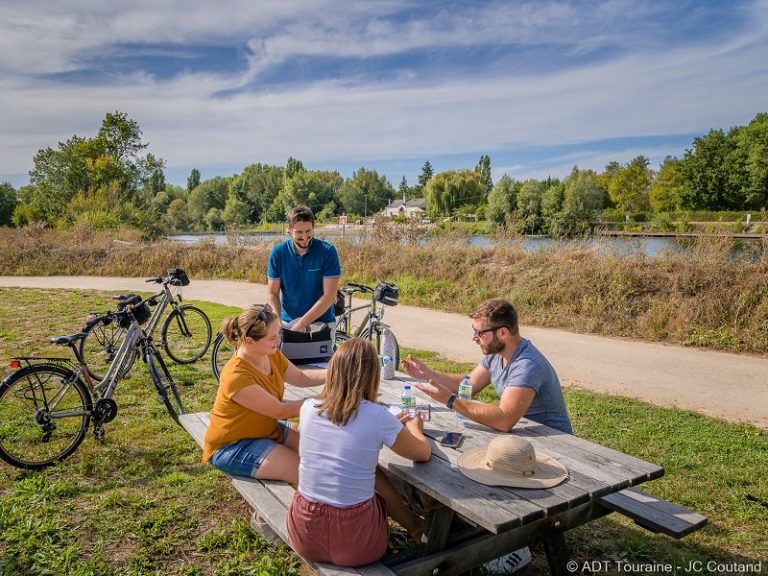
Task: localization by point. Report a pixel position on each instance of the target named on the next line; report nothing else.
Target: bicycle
(185, 335)
(221, 352)
(48, 403)
(372, 326)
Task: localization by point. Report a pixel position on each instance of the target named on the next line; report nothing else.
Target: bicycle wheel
(186, 334)
(377, 336)
(221, 352)
(164, 384)
(99, 346)
(45, 410)
(341, 335)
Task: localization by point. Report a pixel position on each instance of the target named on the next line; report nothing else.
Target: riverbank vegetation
(703, 296)
(111, 180)
(143, 503)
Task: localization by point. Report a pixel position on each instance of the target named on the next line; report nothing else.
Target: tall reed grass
(702, 297)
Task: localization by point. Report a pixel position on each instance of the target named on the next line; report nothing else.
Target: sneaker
(258, 524)
(509, 563)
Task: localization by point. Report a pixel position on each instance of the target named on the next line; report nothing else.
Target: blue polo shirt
(529, 368)
(301, 277)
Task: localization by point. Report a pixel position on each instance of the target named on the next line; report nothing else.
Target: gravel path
(728, 386)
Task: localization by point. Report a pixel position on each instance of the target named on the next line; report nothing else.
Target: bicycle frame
(372, 318)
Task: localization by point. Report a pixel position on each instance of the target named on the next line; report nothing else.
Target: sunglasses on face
(493, 329)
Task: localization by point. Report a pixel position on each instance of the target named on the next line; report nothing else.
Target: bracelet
(450, 401)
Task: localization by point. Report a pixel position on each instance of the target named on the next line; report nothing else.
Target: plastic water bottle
(388, 350)
(465, 392)
(408, 400)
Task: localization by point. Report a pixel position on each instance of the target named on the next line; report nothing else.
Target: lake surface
(650, 246)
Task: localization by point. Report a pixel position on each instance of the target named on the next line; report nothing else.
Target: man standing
(303, 274)
(525, 381)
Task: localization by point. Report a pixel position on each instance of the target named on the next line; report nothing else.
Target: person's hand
(415, 424)
(299, 325)
(415, 368)
(434, 390)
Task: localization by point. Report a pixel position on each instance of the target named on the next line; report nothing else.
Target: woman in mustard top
(248, 434)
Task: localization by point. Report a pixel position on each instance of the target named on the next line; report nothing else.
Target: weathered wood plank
(653, 513)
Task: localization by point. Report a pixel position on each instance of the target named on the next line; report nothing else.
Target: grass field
(143, 503)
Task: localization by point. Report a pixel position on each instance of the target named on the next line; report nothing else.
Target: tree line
(111, 180)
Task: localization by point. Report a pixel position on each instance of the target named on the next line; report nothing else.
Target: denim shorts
(244, 457)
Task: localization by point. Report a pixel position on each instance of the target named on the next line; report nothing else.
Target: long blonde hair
(252, 322)
(353, 376)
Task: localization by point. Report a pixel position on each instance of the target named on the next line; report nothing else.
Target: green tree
(88, 172)
(365, 193)
(665, 188)
(752, 142)
(208, 194)
(427, 172)
(502, 200)
(312, 188)
(8, 202)
(404, 191)
(583, 200)
(449, 191)
(710, 177)
(177, 216)
(258, 187)
(193, 180)
(552, 201)
(293, 167)
(529, 200)
(630, 185)
(484, 169)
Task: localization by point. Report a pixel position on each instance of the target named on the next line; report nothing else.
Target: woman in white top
(339, 512)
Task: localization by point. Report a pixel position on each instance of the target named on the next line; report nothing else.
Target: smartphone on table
(447, 439)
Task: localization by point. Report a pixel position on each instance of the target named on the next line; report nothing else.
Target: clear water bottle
(465, 392)
(388, 350)
(408, 400)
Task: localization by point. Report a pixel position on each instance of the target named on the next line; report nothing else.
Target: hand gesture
(434, 390)
(415, 368)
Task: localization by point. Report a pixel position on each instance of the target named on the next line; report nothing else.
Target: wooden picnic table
(470, 523)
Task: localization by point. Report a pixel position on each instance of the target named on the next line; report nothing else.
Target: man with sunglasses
(303, 275)
(525, 381)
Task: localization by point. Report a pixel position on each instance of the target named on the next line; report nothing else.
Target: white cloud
(682, 90)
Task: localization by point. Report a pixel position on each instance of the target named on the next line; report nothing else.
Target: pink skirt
(350, 536)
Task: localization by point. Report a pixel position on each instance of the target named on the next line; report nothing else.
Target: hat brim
(547, 471)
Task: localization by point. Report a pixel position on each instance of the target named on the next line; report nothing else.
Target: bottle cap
(407, 387)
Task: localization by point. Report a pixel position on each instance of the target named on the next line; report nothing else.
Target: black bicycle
(185, 335)
(48, 403)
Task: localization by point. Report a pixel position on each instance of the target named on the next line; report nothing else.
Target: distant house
(413, 207)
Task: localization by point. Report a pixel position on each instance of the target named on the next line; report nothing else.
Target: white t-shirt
(338, 463)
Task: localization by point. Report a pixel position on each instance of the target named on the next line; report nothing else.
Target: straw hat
(511, 461)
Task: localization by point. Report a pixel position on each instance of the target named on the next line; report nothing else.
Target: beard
(493, 347)
(302, 245)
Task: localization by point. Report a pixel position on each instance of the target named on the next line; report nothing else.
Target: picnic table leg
(557, 554)
(438, 528)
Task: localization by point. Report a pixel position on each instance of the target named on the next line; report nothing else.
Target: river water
(749, 248)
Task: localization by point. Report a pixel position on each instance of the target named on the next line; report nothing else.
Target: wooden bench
(654, 514)
(270, 500)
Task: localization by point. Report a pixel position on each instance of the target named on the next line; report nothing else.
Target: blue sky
(539, 86)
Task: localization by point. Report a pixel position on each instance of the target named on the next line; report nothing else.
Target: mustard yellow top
(230, 421)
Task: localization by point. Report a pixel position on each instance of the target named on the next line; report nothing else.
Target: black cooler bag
(307, 347)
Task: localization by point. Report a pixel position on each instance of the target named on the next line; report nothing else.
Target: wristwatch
(450, 401)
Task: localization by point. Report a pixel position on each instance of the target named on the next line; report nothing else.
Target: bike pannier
(339, 305)
(141, 312)
(386, 293)
(308, 347)
(178, 277)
